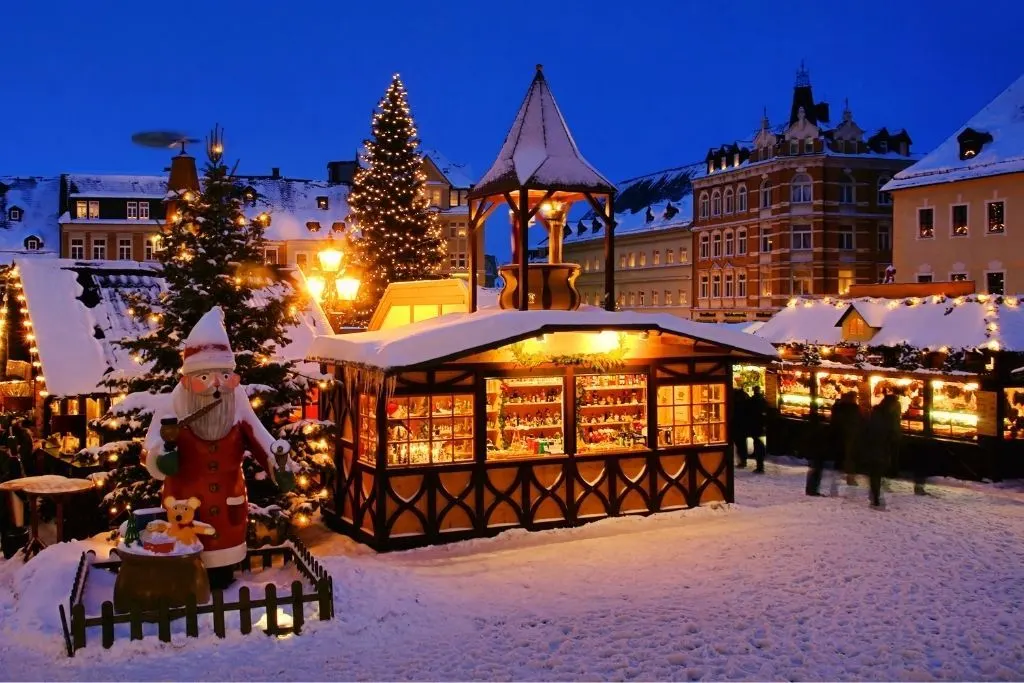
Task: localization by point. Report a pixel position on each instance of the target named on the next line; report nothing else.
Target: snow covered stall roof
(78, 312)
(1003, 152)
(927, 323)
(37, 198)
(539, 151)
(462, 334)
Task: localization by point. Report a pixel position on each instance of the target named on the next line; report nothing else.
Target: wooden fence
(75, 632)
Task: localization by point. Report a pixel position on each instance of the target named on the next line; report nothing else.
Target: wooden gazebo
(539, 174)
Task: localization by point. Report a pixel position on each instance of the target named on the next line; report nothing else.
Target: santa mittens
(168, 463)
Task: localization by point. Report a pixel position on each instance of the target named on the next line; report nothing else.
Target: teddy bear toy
(181, 523)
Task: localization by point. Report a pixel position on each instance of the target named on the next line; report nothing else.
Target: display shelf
(623, 399)
(534, 404)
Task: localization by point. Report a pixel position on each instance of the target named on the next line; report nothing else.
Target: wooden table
(52, 485)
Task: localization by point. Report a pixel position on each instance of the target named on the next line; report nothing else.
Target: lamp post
(334, 285)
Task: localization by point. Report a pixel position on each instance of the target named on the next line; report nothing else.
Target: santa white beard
(215, 424)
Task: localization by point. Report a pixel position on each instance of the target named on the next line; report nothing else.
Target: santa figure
(196, 447)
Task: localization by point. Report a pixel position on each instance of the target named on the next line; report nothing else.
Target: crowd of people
(854, 440)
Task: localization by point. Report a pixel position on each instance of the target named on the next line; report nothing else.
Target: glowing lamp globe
(316, 286)
(348, 285)
(330, 259)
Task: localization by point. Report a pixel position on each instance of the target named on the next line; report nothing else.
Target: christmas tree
(131, 532)
(400, 236)
(211, 254)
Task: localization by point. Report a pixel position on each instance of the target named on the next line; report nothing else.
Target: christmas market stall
(949, 360)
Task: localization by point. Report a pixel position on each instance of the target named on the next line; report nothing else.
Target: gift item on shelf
(424, 430)
(1013, 413)
(830, 387)
(611, 412)
(525, 416)
(795, 393)
(954, 409)
(910, 393)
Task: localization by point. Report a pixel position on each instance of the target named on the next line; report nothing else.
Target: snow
(463, 333)
(209, 330)
(293, 203)
(38, 198)
(458, 175)
(99, 186)
(777, 587)
(1003, 119)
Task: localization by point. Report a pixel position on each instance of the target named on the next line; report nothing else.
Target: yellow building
(956, 210)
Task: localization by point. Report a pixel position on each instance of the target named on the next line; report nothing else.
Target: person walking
(883, 441)
(738, 426)
(844, 429)
(757, 418)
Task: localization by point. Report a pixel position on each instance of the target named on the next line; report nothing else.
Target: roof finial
(803, 79)
(847, 114)
(540, 67)
(764, 119)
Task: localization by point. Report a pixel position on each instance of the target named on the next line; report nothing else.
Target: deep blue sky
(644, 85)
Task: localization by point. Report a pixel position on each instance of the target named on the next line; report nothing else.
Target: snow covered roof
(294, 204)
(539, 151)
(458, 175)
(461, 334)
(78, 312)
(38, 198)
(1003, 119)
(928, 323)
(104, 185)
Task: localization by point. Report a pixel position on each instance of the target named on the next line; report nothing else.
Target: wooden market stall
(949, 360)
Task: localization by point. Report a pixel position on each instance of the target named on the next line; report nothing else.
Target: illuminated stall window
(691, 414)
(954, 409)
(368, 429)
(830, 387)
(426, 430)
(747, 377)
(795, 393)
(1013, 413)
(910, 393)
(93, 411)
(611, 413)
(525, 417)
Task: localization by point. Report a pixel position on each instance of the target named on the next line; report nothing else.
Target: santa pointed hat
(207, 346)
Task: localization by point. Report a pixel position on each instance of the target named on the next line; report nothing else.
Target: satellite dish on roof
(163, 139)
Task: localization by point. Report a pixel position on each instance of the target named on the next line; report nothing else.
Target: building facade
(111, 217)
(447, 187)
(798, 211)
(957, 211)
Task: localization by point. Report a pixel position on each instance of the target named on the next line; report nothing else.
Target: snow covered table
(56, 487)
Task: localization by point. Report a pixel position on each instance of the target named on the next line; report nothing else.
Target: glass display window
(429, 430)
(525, 417)
(831, 386)
(746, 377)
(691, 414)
(910, 393)
(795, 392)
(611, 413)
(368, 429)
(1013, 413)
(954, 410)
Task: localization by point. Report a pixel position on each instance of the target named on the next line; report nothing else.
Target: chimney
(183, 177)
(275, 172)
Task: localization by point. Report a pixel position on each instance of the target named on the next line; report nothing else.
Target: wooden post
(164, 622)
(271, 610)
(78, 625)
(107, 613)
(67, 631)
(191, 618)
(135, 622)
(298, 618)
(473, 239)
(524, 248)
(324, 595)
(609, 254)
(244, 610)
(218, 613)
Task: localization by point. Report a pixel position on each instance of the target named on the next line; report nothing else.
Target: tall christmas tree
(211, 254)
(400, 236)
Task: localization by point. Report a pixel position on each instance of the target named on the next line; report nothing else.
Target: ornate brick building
(797, 211)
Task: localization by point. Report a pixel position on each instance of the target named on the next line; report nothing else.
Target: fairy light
(302, 481)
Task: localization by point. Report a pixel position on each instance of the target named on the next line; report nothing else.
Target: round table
(57, 487)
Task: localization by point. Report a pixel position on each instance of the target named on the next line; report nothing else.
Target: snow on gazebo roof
(539, 151)
(462, 334)
(78, 313)
(978, 321)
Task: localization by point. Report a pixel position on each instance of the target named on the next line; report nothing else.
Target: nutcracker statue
(196, 447)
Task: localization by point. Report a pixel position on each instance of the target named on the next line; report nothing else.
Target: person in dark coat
(738, 426)
(757, 419)
(22, 444)
(841, 441)
(883, 441)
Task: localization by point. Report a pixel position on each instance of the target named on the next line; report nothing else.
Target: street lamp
(332, 284)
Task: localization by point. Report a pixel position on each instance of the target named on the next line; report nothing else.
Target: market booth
(468, 424)
(950, 361)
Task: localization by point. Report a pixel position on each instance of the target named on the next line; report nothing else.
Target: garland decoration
(602, 362)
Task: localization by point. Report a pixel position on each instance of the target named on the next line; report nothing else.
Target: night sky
(643, 85)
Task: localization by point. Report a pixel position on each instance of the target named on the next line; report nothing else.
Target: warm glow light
(316, 286)
(993, 345)
(302, 481)
(347, 286)
(330, 258)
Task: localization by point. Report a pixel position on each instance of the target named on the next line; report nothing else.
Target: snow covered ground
(779, 586)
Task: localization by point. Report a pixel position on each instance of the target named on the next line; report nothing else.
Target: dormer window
(971, 141)
(736, 159)
(33, 243)
(711, 166)
(338, 226)
(883, 146)
(313, 226)
(794, 148)
(14, 213)
(808, 146)
(723, 163)
(321, 203)
(249, 194)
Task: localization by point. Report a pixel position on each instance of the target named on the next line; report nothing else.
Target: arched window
(741, 198)
(716, 245)
(705, 204)
(728, 243)
(729, 201)
(800, 189)
(704, 241)
(766, 194)
(847, 190)
(716, 203)
(884, 198)
(33, 243)
(741, 242)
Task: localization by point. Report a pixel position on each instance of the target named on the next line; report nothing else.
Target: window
(323, 204)
(716, 245)
(77, 248)
(436, 429)
(728, 243)
(632, 260)
(133, 210)
(741, 284)
(654, 297)
(622, 299)
(597, 264)
(729, 292)
(766, 194)
(847, 193)
(846, 237)
(586, 266)
(766, 282)
(81, 209)
(684, 255)
(622, 261)
(925, 223)
(682, 297)
(846, 279)
(453, 198)
(730, 201)
(144, 210)
(801, 283)
(884, 237)
(958, 277)
(741, 242)
(691, 414)
(958, 220)
(716, 286)
(270, 255)
(643, 259)
(670, 256)
(794, 147)
(800, 189)
(642, 299)
(668, 298)
(632, 299)
(32, 243)
(705, 205)
(995, 282)
(716, 203)
(801, 238)
(657, 258)
(924, 277)
(741, 198)
(703, 292)
(99, 248)
(704, 241)
(766, 241)
(94, 209)
(884, 198)
(14, 214)
(435, 197)
(149, 248)
(124, 249)
(996, 218)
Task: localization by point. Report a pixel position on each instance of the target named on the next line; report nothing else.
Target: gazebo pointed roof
(539, 152)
